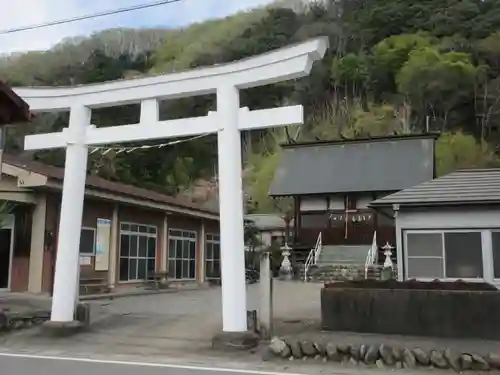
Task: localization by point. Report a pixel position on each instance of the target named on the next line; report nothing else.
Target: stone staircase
(351, 255)
(343, 272)
(340, 263)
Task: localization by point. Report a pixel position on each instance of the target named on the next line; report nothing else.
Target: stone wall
(445, 312)
(343, 272)
(382, 356)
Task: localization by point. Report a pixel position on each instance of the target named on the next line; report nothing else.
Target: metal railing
(313, 257)
(372, 256)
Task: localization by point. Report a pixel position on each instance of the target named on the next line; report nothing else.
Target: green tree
(390, 65)
(389, 56)
(379, 120)
(251, 234)
(350, 73)
(434, 82)
(259, 173)
(458, 150)
(6, 208)
(344, 120)
(489, 51)
(487, 104)
(375, 20)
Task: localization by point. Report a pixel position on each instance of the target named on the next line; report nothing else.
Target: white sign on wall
(103, 237)
(85, 261)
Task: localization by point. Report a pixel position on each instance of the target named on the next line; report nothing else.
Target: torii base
(62, 329)
(235, 340)
(65, 329)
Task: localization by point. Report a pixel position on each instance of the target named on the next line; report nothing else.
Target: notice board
(103, 243)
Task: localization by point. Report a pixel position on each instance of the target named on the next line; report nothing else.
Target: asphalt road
(26, 365)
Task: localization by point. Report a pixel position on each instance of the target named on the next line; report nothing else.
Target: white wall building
(272, 228)
(448, 228)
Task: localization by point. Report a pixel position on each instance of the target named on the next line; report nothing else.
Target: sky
(19, 13)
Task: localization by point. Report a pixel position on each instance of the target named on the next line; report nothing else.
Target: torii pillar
(225, 80)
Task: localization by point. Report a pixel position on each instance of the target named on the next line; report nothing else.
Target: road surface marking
(144, 364)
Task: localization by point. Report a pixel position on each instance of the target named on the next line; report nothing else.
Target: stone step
(343, 254)
(342, 272)
(323, 262)
(339, 260)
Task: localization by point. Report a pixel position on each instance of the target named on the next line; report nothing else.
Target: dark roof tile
(13, 109)
(368, 165)
(106, 185)
(468, 186)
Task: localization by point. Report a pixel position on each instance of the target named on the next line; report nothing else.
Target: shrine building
(332, 184)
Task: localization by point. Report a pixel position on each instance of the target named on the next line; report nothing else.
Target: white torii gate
(225, 80)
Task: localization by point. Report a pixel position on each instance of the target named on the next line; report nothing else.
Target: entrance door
(6, 238)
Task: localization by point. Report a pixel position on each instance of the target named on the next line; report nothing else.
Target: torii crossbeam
(225, 80)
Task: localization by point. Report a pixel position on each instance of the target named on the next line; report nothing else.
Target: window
(277, 240)
(87, 241)
(350, 202)
(425, 255)
(464, 256)
(450, 254)
(314, 221)
(137, 251)
(212, 256)
(182, 254)
(495, 244)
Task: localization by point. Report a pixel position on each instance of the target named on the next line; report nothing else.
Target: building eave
(402, 205)
(31, 180)
(121, 198)
(363, 140)
(13, 109)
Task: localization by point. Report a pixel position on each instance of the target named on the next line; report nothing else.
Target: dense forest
(393, 67)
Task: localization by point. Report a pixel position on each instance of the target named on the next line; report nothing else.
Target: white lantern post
(387, 271)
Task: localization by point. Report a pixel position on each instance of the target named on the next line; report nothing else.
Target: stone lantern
(286, 269)
(387, 271)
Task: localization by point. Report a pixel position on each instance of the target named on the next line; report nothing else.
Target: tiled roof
(106, 185)
(363, 165)
(468, 186)
(13, 109)
(268, 221)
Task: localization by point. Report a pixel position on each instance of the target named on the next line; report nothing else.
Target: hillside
(394, 66)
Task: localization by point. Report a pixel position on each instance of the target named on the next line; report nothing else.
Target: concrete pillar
(77, 285)
(68, 244)
(37, 246)
(487, 249)
(164, 245)
(113, 248)
(203, 248)
(149, 112)
(234, 304)
(399, 248)
(266, 297)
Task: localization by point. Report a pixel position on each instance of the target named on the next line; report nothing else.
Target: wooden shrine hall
(332, 184)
